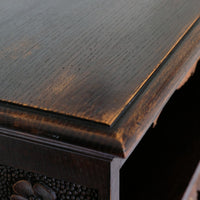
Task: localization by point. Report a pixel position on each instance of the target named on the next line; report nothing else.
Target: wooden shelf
(164, 162)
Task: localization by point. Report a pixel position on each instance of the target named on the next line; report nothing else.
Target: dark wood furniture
(164, 161)
(81, 81)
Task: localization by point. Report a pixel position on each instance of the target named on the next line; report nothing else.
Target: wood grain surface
(86, 58)
(80, 135)
(92, 76)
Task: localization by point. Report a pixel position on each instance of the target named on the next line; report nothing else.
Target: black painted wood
(86, 59)
(124, 135)
(81, 81)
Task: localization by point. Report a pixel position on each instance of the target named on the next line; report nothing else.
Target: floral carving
(25, 191)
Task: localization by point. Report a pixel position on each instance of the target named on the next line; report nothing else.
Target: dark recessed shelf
(165, 160)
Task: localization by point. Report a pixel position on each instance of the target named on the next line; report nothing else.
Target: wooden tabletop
(93, 73)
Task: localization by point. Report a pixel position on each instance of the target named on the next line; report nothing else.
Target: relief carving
(25, 191)
(18, 184)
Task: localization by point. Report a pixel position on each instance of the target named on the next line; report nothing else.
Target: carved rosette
(14, 183)
(25, 191)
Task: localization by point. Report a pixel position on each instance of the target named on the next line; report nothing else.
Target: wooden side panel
(94, 177)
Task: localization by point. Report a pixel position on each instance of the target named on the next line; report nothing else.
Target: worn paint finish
(86, 59)
(62, 70)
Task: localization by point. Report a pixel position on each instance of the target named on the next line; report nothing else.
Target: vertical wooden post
(110, 187)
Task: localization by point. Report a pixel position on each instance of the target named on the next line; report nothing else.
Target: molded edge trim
(155, 96)
(18, 135)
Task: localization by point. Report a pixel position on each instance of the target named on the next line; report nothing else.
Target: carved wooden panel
(17, 184)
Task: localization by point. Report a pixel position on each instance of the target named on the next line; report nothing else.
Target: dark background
(162, 164)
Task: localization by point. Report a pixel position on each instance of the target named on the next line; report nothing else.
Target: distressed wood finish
(67, 61)
(86, 59)
(81, 81)
(123, 136)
